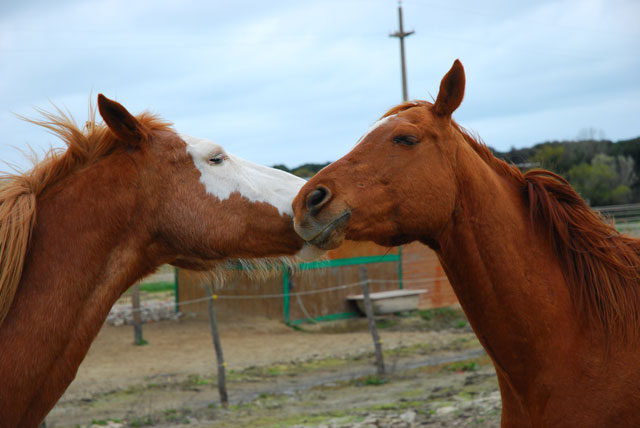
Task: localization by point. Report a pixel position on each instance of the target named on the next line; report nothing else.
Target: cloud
(293, 82)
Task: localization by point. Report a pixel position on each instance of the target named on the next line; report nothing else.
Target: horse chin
(325, 236)
(328, 241)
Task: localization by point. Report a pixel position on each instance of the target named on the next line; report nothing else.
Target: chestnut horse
(85, 224)
(552, 291)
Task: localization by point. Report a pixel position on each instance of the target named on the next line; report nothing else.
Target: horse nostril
(317, 198)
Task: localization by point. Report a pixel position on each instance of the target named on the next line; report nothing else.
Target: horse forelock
(405, 106)
(19, 191)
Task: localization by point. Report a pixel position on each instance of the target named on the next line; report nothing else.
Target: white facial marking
(374, 127)
(222, 174)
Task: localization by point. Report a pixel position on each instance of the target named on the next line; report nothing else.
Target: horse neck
(503, 269)
(84, 252)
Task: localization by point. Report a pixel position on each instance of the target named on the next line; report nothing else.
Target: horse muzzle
(325, 235)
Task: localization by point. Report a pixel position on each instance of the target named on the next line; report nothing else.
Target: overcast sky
(299, 81)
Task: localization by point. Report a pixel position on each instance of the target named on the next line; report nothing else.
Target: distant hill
(602, 171)
(307, 170)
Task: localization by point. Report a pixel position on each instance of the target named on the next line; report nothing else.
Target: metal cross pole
(377, 343)
(222, 383)
(401, 34)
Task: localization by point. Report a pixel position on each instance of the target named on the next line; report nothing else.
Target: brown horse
(86, 223)
(552, 291)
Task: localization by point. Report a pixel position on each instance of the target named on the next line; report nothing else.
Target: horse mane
(19, 191)
(601, 266)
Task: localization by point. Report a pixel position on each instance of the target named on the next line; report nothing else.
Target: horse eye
(217, 159)
(408, 140)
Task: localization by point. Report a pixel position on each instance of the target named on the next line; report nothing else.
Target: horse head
(397, 185)
(200, 204)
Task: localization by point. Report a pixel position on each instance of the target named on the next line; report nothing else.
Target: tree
(551, 157)
(607, 180)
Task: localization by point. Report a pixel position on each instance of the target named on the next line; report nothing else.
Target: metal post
(401, 34)
(222, 383)
(136, 315)
(377, 343)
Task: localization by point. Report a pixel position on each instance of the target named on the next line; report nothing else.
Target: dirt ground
(313, 376)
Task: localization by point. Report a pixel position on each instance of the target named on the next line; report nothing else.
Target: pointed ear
(121, 122)
(451, 91)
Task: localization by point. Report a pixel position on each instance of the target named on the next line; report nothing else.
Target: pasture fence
(626, 217)
(216, 296)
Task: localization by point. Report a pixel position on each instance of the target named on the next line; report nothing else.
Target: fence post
(222, 383)
(176, 289)
(400, 267)
(286, 287)
(136, 315)
(377, 343)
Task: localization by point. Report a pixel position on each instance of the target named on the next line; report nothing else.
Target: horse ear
(121, 122)
(451, 91)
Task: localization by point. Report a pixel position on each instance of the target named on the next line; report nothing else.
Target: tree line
(603, 172)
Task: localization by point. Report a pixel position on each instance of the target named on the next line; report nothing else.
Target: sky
(300, 81)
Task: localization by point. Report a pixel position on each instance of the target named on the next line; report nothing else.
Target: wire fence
(293, 293)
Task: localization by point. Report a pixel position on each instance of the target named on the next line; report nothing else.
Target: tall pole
(401, 34)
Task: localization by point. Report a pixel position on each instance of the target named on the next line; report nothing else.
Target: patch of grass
(329, 418)
(296, 327)
(156, 287)
(386, 323)
(467, 395)
(399, 405)
(292, 369)
(137, 423)
(420, 348)
(462, 366)
(103, 422)
(372, 380)
(169, 412)
(461, 324)
(411, 393)
(443, 318)
(196, 379)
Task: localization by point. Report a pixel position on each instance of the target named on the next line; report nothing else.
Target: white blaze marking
(374, 127)
(255, 182)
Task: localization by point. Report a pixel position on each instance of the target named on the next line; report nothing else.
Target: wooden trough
(388, 302)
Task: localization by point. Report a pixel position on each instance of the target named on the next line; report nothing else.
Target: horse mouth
(328, 237)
